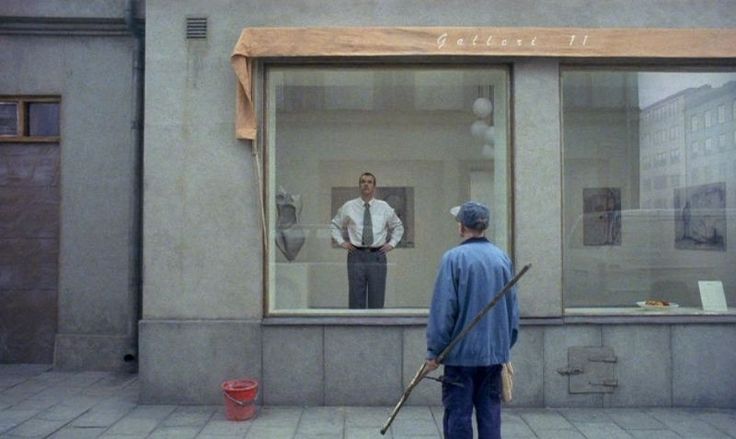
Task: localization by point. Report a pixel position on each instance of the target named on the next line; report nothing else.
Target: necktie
(367, 239)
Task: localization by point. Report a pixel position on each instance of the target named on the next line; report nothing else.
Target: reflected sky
(655, 86)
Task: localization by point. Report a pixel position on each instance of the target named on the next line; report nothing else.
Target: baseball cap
(472, 215)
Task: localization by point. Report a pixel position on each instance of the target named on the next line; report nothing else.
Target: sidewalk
(38, 402)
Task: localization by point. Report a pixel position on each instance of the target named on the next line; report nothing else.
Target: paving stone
(11, 418)
(269, 432)
(287, 417)
(174, 433)
(560, 434)
(100, 418)
(366, 416)
(697, 429)
(631, 419)
(219, 426)
(517, 429)
(321, 420)
(353, 432)
(35, 403)
(62, 413)
(189, 417)
(133, 426)
(317, 436)
(602, 430)
(542, 420)
(654, 434)
(78, 433)
(10, 381)
(36, 428)
(414, 427)
(584, 415)
(724, 421)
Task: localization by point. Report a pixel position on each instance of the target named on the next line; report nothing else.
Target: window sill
(640, 315)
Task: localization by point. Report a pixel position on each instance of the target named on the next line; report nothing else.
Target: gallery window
(627, 240)
(432, 136)
(29, 119)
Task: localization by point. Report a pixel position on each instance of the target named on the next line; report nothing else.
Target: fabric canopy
(463, 41)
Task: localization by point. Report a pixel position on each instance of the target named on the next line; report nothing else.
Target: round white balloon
(478, 128)
(482, 107)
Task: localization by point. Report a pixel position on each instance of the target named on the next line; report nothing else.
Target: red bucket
(240, 397)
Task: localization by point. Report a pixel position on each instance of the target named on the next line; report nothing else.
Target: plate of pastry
(657, 304)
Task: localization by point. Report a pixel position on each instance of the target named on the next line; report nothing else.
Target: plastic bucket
(240, 397)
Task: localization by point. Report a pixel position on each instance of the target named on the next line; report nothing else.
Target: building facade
(582, 139)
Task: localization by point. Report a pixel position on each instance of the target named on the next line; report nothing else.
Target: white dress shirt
(350, 217)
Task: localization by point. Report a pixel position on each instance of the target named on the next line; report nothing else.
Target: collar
(474, 240)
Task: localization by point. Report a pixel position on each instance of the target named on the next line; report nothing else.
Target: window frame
(368, 316)
(22, 102)
(625, 314)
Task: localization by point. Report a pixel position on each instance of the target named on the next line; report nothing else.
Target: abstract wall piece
(602, 216)
(290, 236)
(700, 217)
(400, 198)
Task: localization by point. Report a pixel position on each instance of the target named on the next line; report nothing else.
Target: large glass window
(635, 232)
(432, 136)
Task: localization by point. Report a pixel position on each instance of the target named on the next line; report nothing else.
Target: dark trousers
(482, 390)
(366, 279)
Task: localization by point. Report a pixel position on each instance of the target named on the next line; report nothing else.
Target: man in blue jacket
(469, 276)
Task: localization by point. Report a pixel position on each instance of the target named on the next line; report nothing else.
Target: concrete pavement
(37, 402)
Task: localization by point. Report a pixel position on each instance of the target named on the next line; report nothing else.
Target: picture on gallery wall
(400, 198)
(700, 217)
(601, 216)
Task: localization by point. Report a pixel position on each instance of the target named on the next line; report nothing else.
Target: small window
(29, 119)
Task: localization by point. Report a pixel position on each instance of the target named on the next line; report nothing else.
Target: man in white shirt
(368, 229)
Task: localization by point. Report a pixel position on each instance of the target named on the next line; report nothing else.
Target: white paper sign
(712, 296)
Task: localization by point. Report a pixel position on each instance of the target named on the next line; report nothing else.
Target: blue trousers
(481, 390)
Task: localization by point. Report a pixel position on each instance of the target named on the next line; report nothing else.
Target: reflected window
(632, 231)
(429, 137)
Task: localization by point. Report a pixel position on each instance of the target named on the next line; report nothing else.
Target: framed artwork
(601, 216)
(700, 217)
(400, 198)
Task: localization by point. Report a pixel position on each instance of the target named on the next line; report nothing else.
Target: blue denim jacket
(468, 278)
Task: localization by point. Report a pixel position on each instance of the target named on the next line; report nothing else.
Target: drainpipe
(137, 31)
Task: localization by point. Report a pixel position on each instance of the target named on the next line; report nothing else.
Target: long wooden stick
(421, 372)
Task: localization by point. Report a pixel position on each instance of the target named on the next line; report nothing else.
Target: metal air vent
(196, 28)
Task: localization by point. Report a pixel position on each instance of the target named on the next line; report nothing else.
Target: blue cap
(472, 215)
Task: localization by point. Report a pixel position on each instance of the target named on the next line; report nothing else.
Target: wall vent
(196, 28)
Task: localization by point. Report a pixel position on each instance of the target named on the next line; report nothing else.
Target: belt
(368, 249)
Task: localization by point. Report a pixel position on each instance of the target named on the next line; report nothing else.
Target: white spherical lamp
(482, 107)
(478, 129)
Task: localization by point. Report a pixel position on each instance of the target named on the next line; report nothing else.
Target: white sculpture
(290, 236)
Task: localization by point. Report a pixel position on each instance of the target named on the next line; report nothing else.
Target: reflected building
(687, 139)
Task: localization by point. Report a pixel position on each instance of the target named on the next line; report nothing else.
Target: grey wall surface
(97, 299)
(203, 257)
(67, 8)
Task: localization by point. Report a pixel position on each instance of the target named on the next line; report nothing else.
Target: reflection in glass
(412, 128)
(43, 119)
(8, 119)
(667, 141)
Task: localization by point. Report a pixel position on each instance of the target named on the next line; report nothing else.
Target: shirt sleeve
(337, 225)
(396, 228)
(443, 310)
